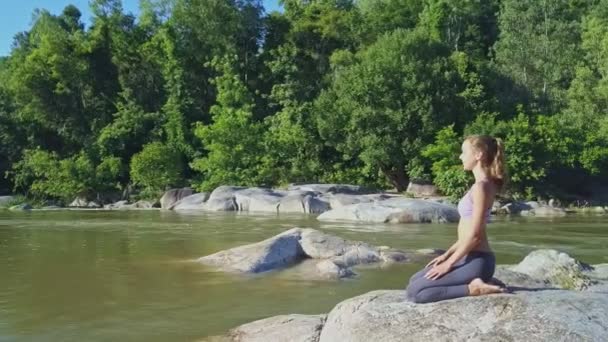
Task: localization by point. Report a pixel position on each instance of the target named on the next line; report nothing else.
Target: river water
(130, 275)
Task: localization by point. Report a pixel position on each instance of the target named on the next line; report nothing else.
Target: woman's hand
(438, 271)
(438, 260)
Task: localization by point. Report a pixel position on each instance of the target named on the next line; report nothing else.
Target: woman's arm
(451, 250)
(481, 193)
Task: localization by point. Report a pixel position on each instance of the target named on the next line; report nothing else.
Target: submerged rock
(395, 210)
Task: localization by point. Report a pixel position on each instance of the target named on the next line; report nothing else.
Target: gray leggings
(453, 284)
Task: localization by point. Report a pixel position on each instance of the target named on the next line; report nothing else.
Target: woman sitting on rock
(466, 268)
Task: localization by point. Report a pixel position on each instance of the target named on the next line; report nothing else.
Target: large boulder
(556, 269)
(285, 328)
(384, 316)
(258, 199)
(276, 252)
(394, 210)
(192, 202)
(303, 202)
(223, 198)
(170, 197)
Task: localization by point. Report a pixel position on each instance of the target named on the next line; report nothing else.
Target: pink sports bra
(465, 206)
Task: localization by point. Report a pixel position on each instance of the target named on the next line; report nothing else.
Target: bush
(156, 167)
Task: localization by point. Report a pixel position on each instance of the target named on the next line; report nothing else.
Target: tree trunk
(397, 177)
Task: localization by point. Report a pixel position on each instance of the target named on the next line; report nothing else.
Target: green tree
(384, 109)
(156, 167)
(234, 141)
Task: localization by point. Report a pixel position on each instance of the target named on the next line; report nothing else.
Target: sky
(16, 16)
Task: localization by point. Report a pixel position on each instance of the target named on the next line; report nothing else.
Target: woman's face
(469, 156)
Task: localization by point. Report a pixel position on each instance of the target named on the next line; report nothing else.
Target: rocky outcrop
(558, 315)
(170, 197)
(394, 210)
(555, 298)
(336, 256)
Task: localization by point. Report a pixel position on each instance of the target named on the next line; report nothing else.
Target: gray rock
(515, 208)
(79, 202)
(223, 199)
(394, 210)
(330, 270)
(318, 245)
(276, 252)
(258, 199)
(546, 211)
(383, 316)
(192, 202)
(141, 204)
(287, 328)
(422, 190)
(170, 197)
(341, 200)
(297, 244)
(302, 202)
(556, 269)
(93, 204)
(329, 188)
(118, 205)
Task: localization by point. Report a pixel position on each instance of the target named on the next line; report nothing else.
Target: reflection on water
(125, 275)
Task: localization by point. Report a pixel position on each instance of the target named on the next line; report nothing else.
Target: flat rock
(287, 328)
(394, 210)
(557, 315)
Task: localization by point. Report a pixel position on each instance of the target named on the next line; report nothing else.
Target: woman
(466, 268)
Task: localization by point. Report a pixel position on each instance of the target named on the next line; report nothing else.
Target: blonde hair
(493, 159)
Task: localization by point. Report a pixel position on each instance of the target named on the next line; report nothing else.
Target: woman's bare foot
(477, 288)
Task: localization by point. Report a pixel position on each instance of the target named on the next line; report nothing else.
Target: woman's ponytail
(498, 167)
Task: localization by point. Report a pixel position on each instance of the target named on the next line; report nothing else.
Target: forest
(378, 93)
